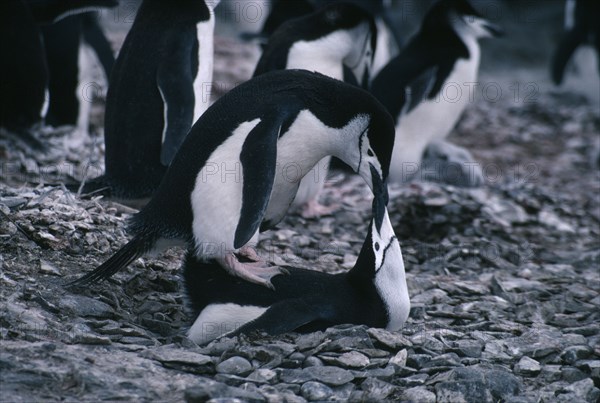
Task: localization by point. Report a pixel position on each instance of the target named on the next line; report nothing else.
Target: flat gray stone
(85, 306)
(206, 389)
(391, 340)
(312, 391)
(329, 375)
(235, 366)
(527, 367)
(418, 394)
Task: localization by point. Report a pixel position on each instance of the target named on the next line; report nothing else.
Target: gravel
(504, 281)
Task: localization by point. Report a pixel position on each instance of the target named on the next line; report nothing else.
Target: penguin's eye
(370, 153)
(377, 246)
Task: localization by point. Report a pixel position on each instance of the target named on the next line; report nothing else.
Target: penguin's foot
(249, 253)
(255, 272)
(313, 209)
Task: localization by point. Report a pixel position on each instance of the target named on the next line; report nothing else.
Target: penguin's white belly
(218, 319)
(312, 184)
(431, 120)
(217, 196)
(298, 151)
(203, 80)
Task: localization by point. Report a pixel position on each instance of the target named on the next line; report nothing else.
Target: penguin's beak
(493, 29)
(380, 197)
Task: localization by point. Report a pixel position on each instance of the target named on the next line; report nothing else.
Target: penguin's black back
(134, 118)
(23, 71)
(275, 96)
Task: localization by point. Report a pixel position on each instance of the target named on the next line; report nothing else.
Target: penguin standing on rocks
(157, 89)
(444, 52)
(581, 26)
(239, 168)
(337, 37)
(374, 293)
(68, 44)
(24, 77)
(23, 73)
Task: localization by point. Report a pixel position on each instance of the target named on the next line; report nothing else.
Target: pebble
(527, 367)
(80, 305)
(392, 341)
(400, 358)
(418, 394)
(312, 391)
(235, 366)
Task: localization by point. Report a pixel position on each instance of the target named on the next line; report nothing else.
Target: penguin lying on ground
(581, 24)
(159, 86)
(373, 293)
(444, 52)
(337, 36)
(239, 168)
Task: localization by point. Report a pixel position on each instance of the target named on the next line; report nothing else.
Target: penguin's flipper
(176, 85)
(420, 89)
(94, 36)
(258, 159)
(287, 316)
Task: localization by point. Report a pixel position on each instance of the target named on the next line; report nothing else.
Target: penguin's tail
(139, 245)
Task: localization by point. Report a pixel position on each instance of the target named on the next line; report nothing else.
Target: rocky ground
(504, 280)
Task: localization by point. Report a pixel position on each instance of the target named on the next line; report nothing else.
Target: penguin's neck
(390, 282)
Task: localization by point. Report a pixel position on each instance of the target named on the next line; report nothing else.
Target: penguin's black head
(375, 145)
(459, 16)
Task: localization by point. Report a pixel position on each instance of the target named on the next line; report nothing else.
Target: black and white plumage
(337, 38)
(24, 77)
(445, 50)
(581, 27)
(374, 293)
(239, 168)
(159, 86)
(68, 44)
(23, 72)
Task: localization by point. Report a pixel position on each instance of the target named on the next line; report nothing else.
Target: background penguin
(337, 37)
(23, 69)
(445, 50)
(157, 89)
(23, 72)
(374, 293)
(239, 168)
(581, 26)
(68, 44)
(389, 37)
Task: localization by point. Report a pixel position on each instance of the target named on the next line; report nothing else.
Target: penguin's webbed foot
(314, 209)
(254, 272)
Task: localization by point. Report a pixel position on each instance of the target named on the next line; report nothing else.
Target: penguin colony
(212, 177)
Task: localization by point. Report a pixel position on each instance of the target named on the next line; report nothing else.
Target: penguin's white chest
(217, 196)
(203, 80)
(306, 142)
(433, 119)
(218, 319)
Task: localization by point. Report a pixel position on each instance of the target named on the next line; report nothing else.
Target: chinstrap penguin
(374, 293)
(24, 69)
(239, 168)
(158, 87)
(581, 27)
(68, 44)
(444, 52)
(336, 38)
